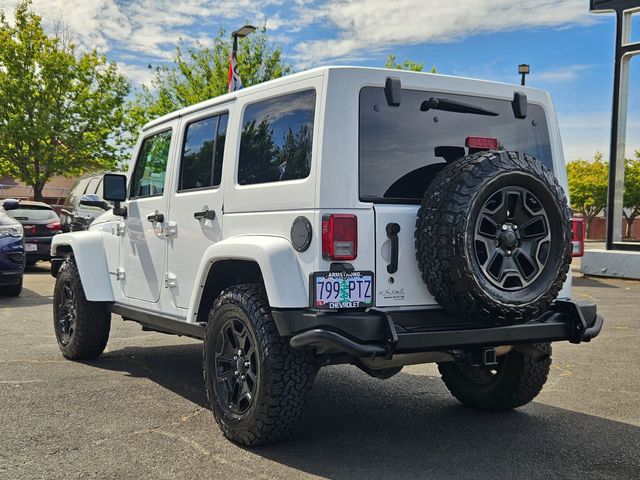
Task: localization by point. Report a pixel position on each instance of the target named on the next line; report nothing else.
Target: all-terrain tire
(446, 226)
(519, 378)
(284, 375)
(11, 290)
(87, 335)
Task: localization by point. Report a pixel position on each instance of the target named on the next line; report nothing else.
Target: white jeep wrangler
(341, 215)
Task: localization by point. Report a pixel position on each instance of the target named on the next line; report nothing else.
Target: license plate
(30, 247)
(333, 290)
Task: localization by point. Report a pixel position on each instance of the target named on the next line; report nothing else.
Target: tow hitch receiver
(485, 357)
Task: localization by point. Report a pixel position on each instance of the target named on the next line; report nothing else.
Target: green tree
(201, 72)
(407, 65)
(631, 192)
(61, 112)
(588, 187)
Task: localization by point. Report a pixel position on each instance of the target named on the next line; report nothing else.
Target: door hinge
(170, 280)
(170, 229)
(119, 273)
(119, 229)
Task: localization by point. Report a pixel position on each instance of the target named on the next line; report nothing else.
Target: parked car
(342, 215)
(40, 222)
(83, 204)
(11, 255)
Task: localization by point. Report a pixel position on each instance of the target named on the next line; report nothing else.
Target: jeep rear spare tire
(493, 238)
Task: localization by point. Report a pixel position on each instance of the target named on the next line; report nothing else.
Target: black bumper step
(380, 333)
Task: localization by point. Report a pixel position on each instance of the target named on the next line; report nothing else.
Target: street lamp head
(524, 69)
(244, 31)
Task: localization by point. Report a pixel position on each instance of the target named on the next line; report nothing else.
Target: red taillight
(577, 237)
(54, 225)
(339, 237)
(482, 143)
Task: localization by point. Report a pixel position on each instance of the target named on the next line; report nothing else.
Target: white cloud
(563, 74)
(137, 74)
(374, 24)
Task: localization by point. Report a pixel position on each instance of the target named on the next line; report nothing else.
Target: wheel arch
(249, 259)
(87, 248)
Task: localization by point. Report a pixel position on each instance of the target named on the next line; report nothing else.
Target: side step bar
(159, 323)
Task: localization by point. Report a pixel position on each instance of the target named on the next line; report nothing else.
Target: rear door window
(202, 153)
(402, 148)
(276, 140)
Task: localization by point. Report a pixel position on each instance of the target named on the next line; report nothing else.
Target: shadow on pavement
(28, 298)
(409, 427)
(39, 268)
(591, 282)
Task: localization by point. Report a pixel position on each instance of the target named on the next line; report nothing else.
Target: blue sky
(570, 51)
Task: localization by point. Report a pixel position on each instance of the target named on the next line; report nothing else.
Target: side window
(151, 166)
(201, 162)
(276, 140)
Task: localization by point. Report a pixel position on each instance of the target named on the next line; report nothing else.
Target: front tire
(257, 385)
(12, 290)
(515, 381)
(81, 327)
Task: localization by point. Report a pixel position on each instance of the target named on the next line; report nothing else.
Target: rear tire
(257, 385)
(81, 327)
(517, 380)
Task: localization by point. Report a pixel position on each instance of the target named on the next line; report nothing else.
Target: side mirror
(115, 190)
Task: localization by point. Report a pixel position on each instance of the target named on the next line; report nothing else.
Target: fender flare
(277, 261)
(90, 257)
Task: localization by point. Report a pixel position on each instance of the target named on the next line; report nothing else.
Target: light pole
(235, 83)
(524, 70)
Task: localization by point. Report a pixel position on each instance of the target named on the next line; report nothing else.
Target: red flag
(234, 77)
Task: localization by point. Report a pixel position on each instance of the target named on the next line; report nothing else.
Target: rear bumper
(43, 245)
(379, 333)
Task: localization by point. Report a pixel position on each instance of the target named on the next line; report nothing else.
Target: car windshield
(32, 213)
(402, 148)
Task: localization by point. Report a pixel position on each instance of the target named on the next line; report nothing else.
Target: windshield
(403, 148)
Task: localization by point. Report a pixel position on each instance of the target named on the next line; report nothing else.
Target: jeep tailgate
(404, 287)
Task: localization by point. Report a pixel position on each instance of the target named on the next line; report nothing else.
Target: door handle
(205, 214)
(156, 217)
(392, 232)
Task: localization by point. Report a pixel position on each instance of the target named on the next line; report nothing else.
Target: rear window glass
(402, 148)
(277, 135)
(35, 213)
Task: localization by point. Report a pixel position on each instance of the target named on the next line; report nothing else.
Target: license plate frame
(30, 247)
(348, 296)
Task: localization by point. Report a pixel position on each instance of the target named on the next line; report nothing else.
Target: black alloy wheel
(236, 367)
(512, 238)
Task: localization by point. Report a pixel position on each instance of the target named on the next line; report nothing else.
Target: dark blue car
(12, 255)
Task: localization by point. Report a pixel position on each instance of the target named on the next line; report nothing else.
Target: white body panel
(92, 262)
(253, 222)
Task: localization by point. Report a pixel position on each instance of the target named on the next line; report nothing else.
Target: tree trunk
(588, 226)
(37, 192)
(629, 228)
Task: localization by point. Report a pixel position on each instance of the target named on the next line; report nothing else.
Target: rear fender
(88, 250)
(278, 262)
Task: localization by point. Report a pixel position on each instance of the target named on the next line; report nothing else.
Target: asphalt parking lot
(140, 410)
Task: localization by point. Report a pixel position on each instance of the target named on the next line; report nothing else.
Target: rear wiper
(447, 105)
